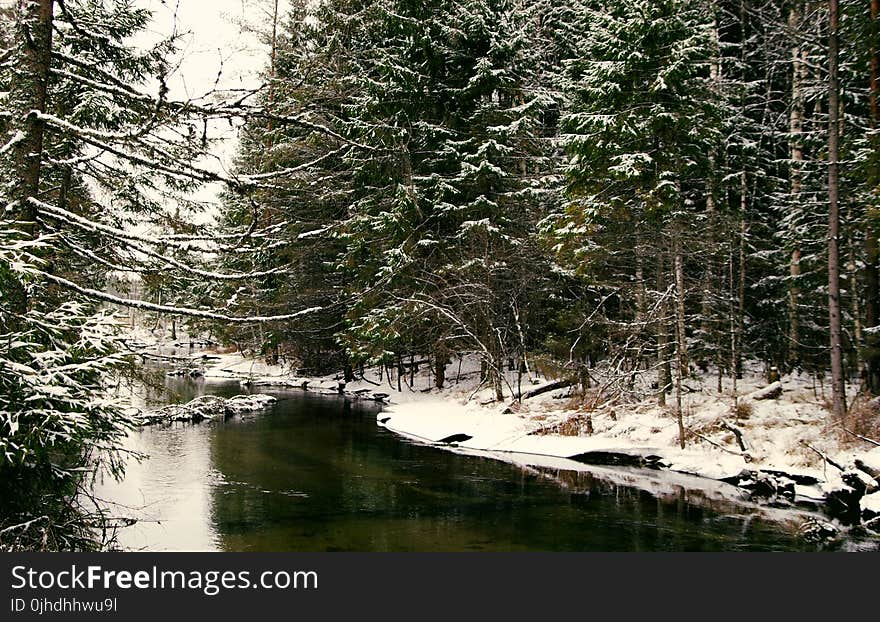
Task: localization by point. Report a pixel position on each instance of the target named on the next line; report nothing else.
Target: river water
(317, 473)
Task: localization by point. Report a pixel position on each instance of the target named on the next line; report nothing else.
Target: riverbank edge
(446, 420)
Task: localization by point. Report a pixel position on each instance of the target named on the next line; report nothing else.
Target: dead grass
(742, 410)
(577, 425)
(863, 418)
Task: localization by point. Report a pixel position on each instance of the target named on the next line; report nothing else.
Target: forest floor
(784, 450)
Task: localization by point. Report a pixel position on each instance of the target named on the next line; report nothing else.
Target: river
(317, 473)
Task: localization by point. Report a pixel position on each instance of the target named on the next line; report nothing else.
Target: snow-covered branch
(169, 309)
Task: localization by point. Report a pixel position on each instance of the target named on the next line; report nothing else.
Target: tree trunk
(664, 379)
(795, 130)
(681, 357)
(715, 74)
(440, 358)
(641, 294)
(741, 282)
(497, 378)
(732, 313)
(852, 281)
(681, 345)
(35, 37)
(838, 388)
(706, 280)
(872, 248)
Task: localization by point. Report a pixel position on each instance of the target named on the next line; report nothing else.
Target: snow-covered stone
(859, 480)
(208, 407)
(248, 403)
(814, 530)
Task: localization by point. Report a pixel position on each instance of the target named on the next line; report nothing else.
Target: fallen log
(770, 392)
(863, 438)
(454, 439)
(823, 456)
(740, 440)
(865, 468)
(743, 455)
(545, 388)
(619, 458)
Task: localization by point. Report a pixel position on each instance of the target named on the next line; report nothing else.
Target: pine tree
(91, 146)
(642, 124)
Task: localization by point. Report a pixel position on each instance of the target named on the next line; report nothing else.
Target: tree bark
(681, 346)
(741, 285)
(795, 130)
(732, 313)
(838, 387)
(706, 283)
(681, 366)
(440, 359)
(35, 38)
(641, 294)
(738, 290)
(871, 274)
(664, 379)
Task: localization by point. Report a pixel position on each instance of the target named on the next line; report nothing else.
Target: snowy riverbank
(769, 453)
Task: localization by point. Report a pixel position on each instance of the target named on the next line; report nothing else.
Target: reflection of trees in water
(309, 478)
(148, 386)
(672, 501)
(42, 510)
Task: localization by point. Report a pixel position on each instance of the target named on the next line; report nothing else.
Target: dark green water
(318, 474)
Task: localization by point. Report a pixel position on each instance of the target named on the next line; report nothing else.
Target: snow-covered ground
(782, 436)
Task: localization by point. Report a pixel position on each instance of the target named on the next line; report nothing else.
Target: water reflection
(318, 474)
(169, 491)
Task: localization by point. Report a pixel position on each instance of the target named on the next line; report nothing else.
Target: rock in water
(455, 438)
(814, 530)
(248, 403)
(207, 407)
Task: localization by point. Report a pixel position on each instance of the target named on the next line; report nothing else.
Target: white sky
(216, 41)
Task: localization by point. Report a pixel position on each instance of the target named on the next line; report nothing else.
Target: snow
(767, 392)
(871, 504)
(871, 459)
(774, 430)
(208, 407)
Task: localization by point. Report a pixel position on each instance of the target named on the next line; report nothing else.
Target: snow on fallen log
(770, 392)
(539, 390)
(765, 484)
(544, 388)
(620, 457)
(870, 506)
(209, 407)
(869, 462)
